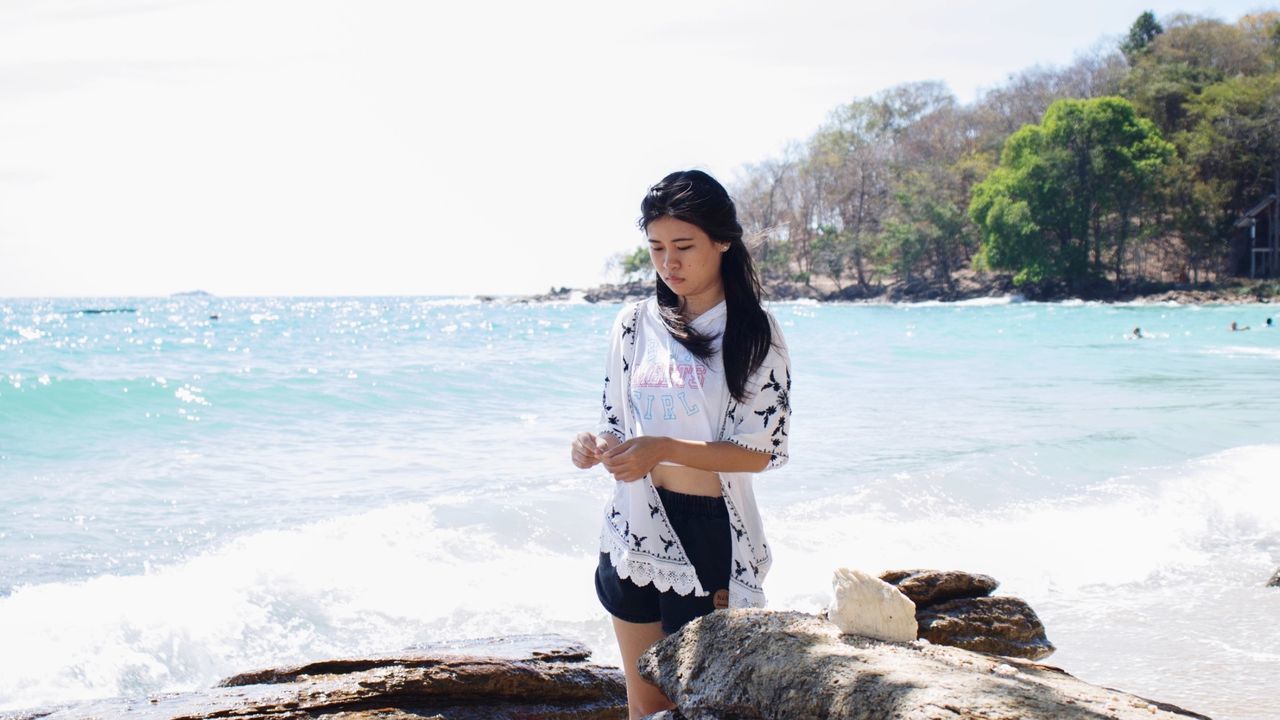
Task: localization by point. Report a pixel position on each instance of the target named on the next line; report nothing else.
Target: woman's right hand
(587, 449)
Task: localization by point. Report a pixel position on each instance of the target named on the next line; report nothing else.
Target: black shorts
(702, 524)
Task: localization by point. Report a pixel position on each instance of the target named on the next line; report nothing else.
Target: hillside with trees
(1134, 165)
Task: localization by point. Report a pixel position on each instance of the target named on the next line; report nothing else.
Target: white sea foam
(386, 579)
(1244, 351)
(1120, 531)
(992, 301)
(374, 582)
(1169, 563)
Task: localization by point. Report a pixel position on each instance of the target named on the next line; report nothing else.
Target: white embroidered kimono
(634, 517)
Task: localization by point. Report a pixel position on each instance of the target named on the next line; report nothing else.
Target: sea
(196, 486)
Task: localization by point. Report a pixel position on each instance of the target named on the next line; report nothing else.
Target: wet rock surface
(954, 608)
(928, 587)
(504, 679)
(1275, 579)
(749, 664)
(996, 625)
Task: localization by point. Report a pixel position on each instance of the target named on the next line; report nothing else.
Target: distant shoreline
(963, 286)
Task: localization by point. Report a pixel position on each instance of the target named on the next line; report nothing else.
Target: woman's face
(687, 260)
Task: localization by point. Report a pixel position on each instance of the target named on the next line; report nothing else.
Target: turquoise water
(204, 486)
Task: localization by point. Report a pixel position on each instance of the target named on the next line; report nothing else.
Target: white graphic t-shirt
(653, 386)
(675, 393)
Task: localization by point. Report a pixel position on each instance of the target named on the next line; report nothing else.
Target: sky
(401, 147)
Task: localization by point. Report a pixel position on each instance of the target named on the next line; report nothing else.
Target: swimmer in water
(1237, 328)
(1136, 334)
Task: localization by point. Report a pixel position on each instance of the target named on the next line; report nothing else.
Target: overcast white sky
(318, 147)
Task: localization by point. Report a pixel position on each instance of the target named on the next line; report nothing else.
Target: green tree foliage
(634, 265)
(1141, 33)
(1064, 200)
(1164, 140)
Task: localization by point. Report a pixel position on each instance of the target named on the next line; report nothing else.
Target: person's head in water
(1268, 322)
(695, 243)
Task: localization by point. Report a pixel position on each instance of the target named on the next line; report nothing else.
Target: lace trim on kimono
(683, 580)
(745, 596)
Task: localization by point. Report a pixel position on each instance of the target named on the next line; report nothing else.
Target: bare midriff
(686, 480)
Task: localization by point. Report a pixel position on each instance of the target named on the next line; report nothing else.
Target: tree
(632, 266)
(1141, 33)
(1063, 201)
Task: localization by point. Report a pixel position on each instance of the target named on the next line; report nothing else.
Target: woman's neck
(693, 306)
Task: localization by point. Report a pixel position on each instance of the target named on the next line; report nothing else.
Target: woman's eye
(686, 247)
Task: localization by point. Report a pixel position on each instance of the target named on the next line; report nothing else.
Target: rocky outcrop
(996, 625)
(759, 664)
(1275, 579)
(953, 608)
(625, 292)
(502, 679)
(929, 587)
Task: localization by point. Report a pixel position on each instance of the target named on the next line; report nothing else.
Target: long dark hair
(696, 198)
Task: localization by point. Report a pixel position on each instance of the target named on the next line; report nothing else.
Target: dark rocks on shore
(761, 664)
(961, 285)
(929, 587)
(1275, 579)
(500, 679)
(953, 608)
(995, 625)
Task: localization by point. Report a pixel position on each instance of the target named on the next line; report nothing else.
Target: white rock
(867, 605)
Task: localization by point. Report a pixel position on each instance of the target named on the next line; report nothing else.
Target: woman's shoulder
(627, 320)
(635, 308)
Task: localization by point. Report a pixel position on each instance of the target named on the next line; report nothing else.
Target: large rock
(1275, 579)
(997, 625)
(928, 587)
(759, 664)
(864, 605)
(952, 608)
(510, 678)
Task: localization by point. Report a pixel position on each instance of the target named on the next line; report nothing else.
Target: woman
(696, 399)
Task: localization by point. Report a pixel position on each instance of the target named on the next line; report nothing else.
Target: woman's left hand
(634, 458)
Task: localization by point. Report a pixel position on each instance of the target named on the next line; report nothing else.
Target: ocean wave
(1187, 518)
(1244, 351)
(378, 581)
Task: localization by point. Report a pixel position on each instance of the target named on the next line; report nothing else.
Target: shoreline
(963, 286)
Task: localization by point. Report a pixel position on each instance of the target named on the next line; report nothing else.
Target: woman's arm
(634, 458)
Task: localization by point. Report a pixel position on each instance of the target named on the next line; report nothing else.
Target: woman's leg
(643, 697)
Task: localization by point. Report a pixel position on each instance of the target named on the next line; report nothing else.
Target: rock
(625, 292)
(530, 677)
(1275, 579)
(929, 587)
(996, 625)
(757, 664)
(864, 605)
